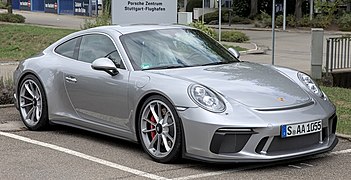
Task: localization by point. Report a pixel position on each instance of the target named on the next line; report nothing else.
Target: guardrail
(338, 53)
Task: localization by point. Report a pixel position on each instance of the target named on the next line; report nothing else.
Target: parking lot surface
(69, 153)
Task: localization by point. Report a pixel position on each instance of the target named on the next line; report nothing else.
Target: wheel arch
(23, 76)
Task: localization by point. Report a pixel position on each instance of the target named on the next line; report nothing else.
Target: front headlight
(311, 85)
(206, 98)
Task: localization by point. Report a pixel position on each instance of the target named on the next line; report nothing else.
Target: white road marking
(305, 164)
(84, 156)
(297, 167)
(217, 173)
(346, 151)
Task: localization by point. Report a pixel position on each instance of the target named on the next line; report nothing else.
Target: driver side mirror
(234, 52)
(105, 64)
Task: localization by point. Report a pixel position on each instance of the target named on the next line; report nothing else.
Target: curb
(344, 136)
(9, 63)
(7, 105)
(257, 50)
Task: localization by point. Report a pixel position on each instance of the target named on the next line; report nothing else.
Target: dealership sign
(25, 5)
(144, 11)
(81, 7)
(51, 6)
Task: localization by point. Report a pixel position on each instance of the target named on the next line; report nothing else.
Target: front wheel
(159, 130)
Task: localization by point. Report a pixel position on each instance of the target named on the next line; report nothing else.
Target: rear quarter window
(68, 48)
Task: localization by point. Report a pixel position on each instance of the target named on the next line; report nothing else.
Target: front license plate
(301, 129)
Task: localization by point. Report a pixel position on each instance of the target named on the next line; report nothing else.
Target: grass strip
(341, 97)
(18, 42)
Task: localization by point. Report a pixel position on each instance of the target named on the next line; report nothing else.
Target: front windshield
(173, 48)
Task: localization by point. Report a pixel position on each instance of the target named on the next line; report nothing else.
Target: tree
(298, 9)
(106, 8)
(9, 6)
(253, 9)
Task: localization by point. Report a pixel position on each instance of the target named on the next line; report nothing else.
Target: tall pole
(219, 19)
(203, 10)
(311, 9)
(273, 30)
(284, 15)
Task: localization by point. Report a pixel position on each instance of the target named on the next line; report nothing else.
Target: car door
(98, 98)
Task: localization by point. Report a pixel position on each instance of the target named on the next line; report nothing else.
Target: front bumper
(255, 136)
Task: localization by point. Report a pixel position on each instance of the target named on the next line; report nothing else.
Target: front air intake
(228, 140)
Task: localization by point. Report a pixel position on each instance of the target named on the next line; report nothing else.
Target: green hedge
(13, 18)
(199, 25)
(234, 36)
(213, 16)
(3, 5)
(344, 22)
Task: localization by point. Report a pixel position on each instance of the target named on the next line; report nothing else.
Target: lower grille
(293, 143)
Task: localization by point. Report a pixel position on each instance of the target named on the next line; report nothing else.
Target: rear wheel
(32, 103)
(159, 130)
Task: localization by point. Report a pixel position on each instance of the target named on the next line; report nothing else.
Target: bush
(279, 20)
(3, 5)
(6, 91)
(241, 8)
(304, 21)
(240, 20)
(13, 18)
(321, 21)
(193, 4)
(199, 25)
(213, 16)
(344, 22)
(103, 20)
(263, 20)
(291, 21)
(234, 36)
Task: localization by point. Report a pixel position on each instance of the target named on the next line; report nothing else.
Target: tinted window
(67, 48)
(97, 46)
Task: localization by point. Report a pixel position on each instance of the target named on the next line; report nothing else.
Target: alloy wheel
(158, 128)
(30, 102)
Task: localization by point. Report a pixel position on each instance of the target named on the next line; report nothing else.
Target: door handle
(71, 79)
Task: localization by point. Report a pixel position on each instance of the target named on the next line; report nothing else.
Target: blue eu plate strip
(283, 131)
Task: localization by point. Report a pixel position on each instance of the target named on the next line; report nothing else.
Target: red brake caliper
(153, 133)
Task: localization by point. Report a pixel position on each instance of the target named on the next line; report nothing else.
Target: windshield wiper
(215, 63)
(166, 67)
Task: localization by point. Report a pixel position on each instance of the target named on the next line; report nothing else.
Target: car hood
(251, 84)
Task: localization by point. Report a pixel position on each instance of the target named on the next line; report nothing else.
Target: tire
(161, 138)
(33, 104)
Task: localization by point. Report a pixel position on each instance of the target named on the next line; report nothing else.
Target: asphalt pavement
(69, 153)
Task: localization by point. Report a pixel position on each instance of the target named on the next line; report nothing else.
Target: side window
(67, 48)
(96, 46)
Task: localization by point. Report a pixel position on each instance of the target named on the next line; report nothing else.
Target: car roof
(126, 29)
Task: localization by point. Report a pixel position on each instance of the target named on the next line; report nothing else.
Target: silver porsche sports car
(178, 93)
